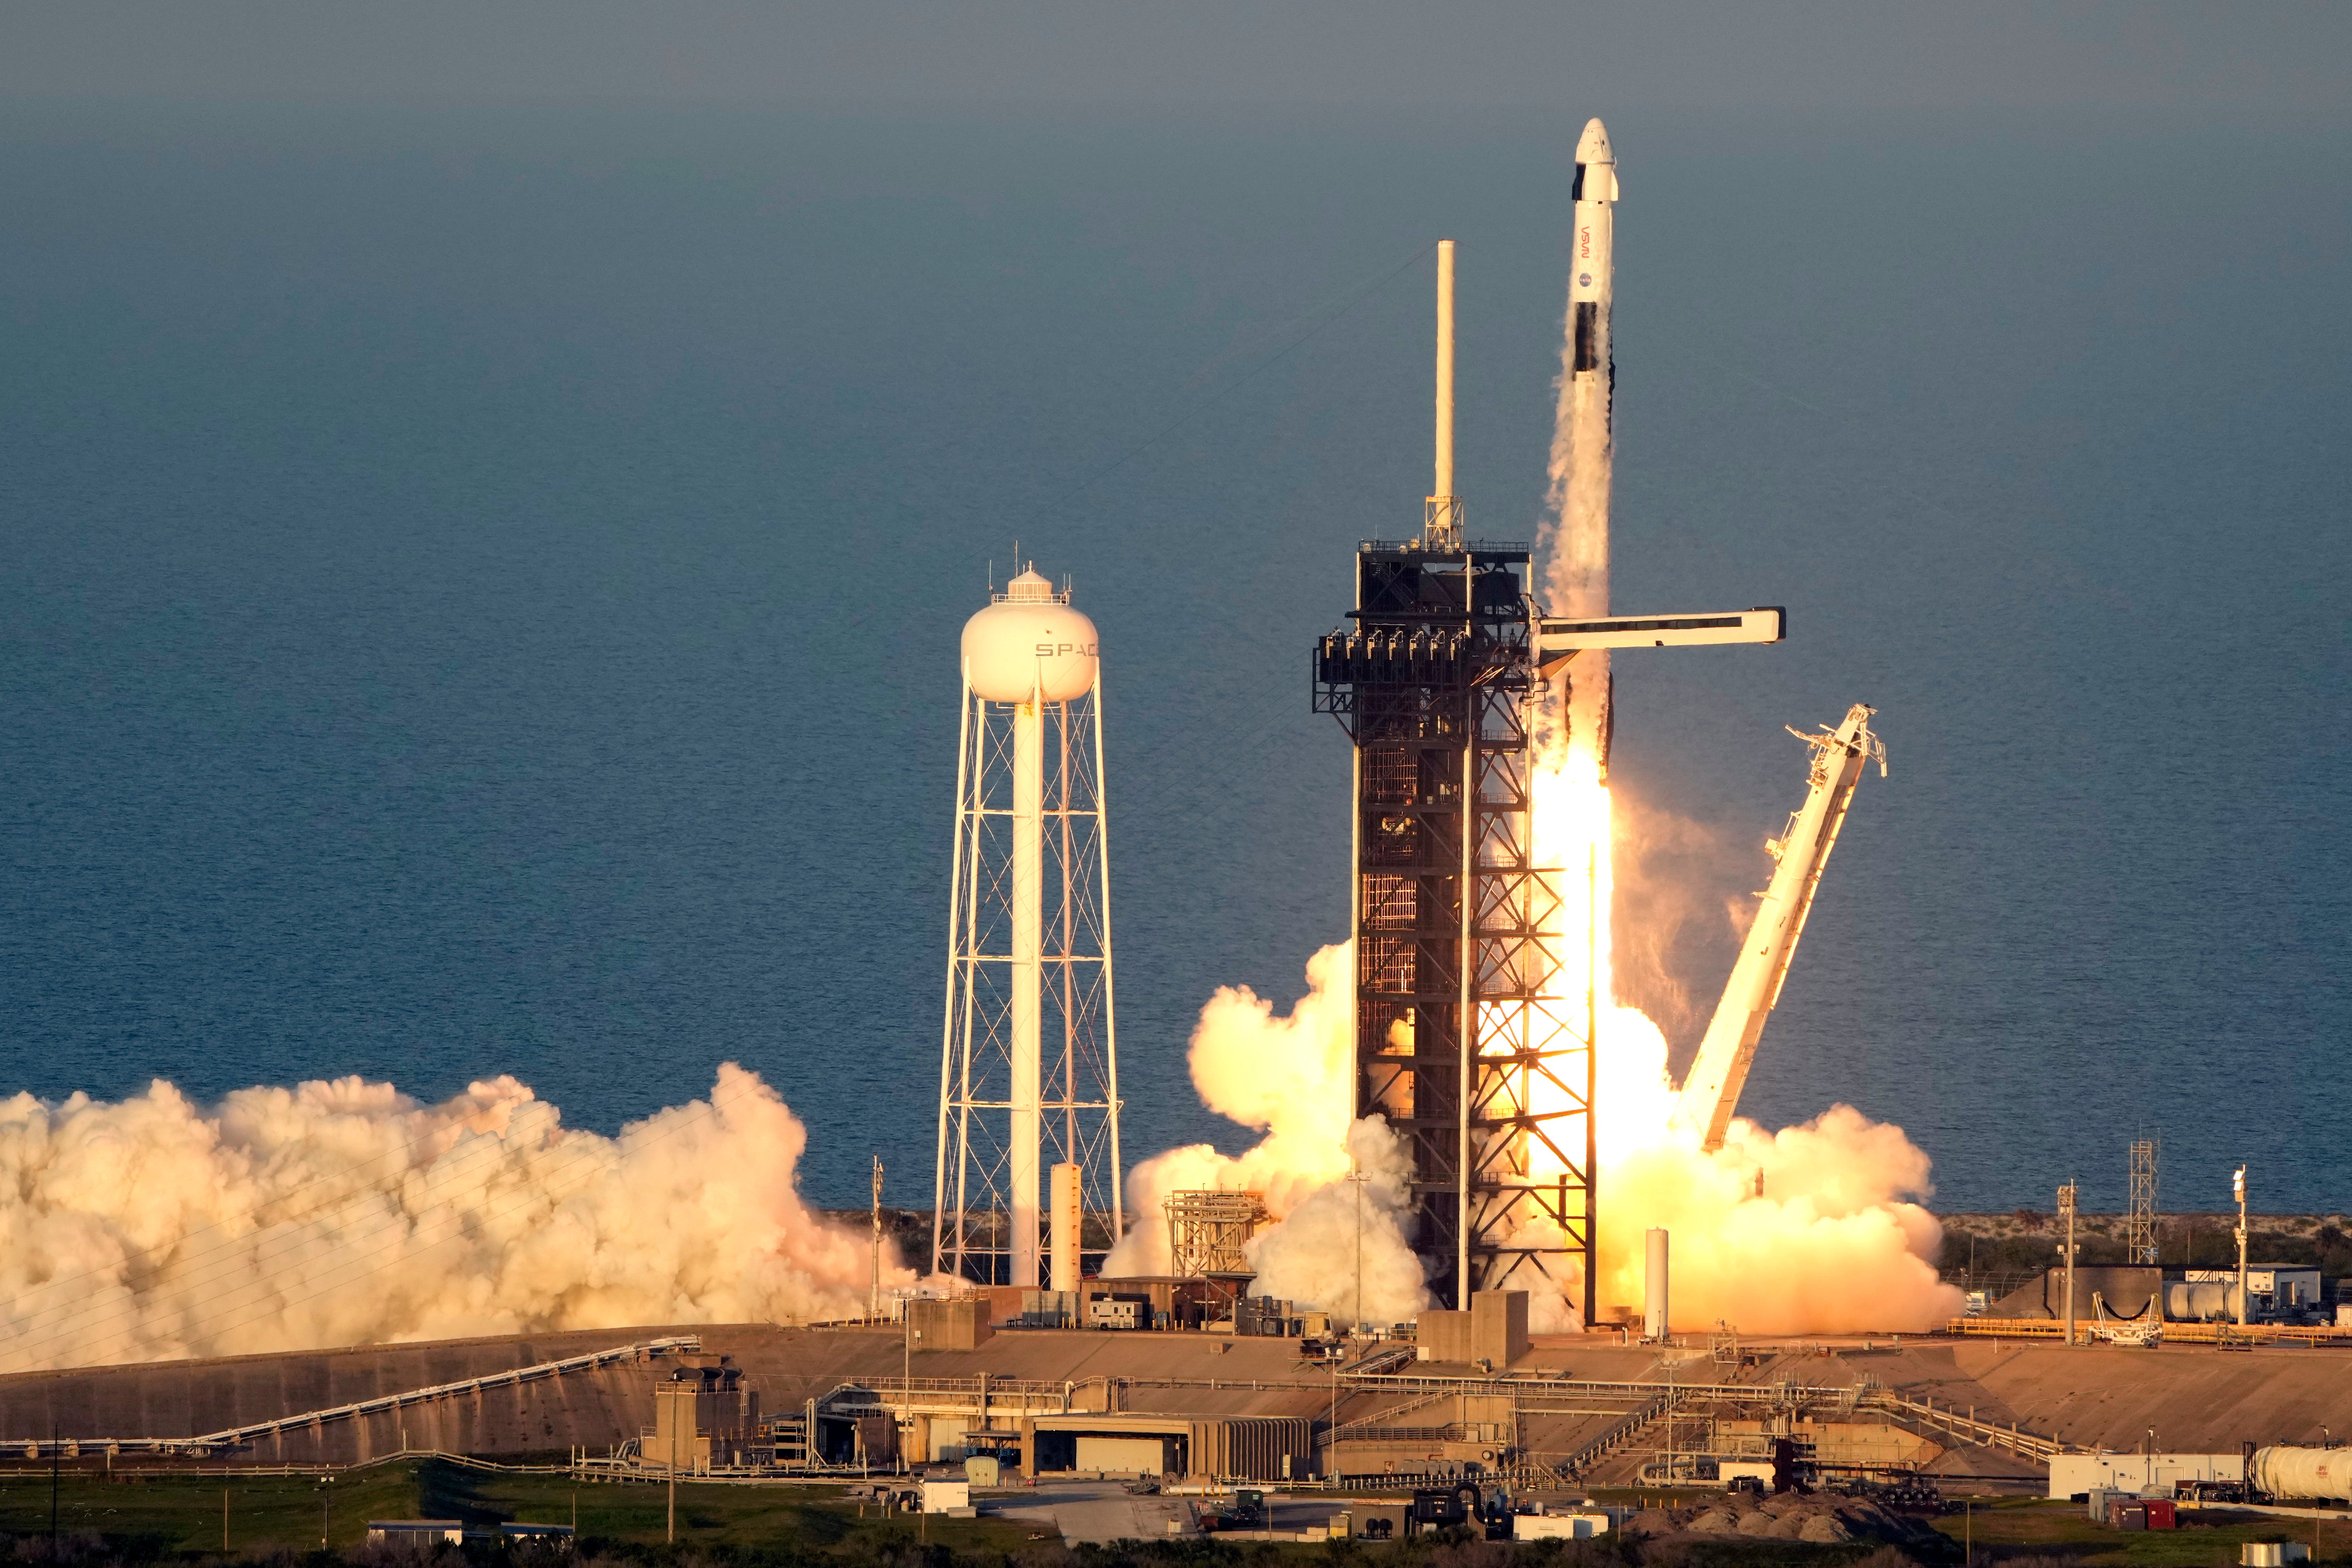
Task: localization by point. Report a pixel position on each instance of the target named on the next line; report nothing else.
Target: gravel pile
(1789, 1517)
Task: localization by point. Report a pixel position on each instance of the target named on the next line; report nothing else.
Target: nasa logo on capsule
(1584, 280)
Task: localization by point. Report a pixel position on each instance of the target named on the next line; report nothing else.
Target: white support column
(1069, 1202)
(1444, 488)
(1027, 979)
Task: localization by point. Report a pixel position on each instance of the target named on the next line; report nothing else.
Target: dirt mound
(1791, 1516)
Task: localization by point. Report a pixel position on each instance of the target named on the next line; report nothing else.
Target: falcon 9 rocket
(1579, 574)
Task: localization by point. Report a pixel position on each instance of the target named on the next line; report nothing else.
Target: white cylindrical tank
(1028, 643)
(2283, 1473)
(1066, 1214)
(2204, 1302)
(1653, 1289)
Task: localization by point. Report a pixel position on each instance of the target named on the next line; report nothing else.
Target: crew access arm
(1711, 1088)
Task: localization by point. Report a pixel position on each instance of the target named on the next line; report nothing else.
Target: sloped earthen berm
(2197, 1398)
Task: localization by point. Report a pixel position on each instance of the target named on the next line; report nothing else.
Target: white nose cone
(1029, 644)
(1592, 147)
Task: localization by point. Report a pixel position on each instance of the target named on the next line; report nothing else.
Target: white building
(2286, 1284)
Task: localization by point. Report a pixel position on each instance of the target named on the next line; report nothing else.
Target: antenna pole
(873, 1301)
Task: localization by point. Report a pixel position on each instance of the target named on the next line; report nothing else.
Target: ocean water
(480, 587)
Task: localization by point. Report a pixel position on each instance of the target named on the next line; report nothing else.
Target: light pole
(874, 1300)
(1358, 1178)
(2238, 1182)
(2066, 1212)
(1332, 1447)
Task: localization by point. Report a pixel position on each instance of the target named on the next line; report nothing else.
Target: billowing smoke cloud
(1684, 895)
(1292, 1078)
(344, 1212)
(1809, 1230)
(1344, 1243)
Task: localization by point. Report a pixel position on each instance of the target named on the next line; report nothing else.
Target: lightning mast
(2140, 1244)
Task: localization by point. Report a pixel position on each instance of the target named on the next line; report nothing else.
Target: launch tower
(1465, 1038)
(1029, 1062)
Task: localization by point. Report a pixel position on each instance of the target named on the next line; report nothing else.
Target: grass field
(2031, 1527)
(2014, 1529)
(167, 1516)
(172, 1515)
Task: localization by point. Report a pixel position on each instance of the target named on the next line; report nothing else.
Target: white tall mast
(1026, 973)
(1711, 1088)
(1441, 517)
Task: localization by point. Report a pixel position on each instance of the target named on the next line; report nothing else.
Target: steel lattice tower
(1029, 1061)
(2140, 1245)
(1467, 1038)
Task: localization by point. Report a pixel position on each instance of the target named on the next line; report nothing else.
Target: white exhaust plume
(1293, 1078)
(345, 1213)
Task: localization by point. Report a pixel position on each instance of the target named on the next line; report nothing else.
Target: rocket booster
(1589, 277)
(1582, 451)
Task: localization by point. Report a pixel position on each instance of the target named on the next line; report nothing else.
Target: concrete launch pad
(1606, 1404)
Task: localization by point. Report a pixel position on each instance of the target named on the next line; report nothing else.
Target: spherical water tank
(1028, 643)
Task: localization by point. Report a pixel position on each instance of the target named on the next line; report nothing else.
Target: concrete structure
(2125, 1290)
(1495, 1329)
(961, 1323)
(705, 1414)
(1613, 1419)
(416, 1532)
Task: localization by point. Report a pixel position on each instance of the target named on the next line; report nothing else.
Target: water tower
(1029, 1064)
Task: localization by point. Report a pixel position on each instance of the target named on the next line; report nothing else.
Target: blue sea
(480, 585)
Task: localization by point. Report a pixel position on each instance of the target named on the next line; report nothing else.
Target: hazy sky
(2257, 60)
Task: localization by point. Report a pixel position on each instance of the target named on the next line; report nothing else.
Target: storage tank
(2204, 1302)
(2283, 1473)
(1030, 641)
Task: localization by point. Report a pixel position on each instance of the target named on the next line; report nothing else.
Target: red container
(2161, 1515)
